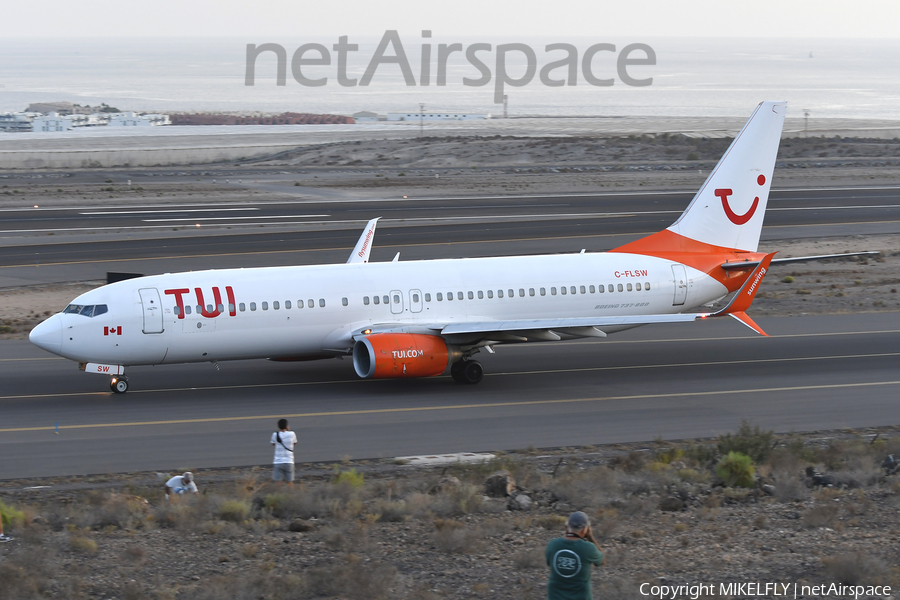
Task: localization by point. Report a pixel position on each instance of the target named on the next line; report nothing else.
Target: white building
(434, 116)
(11, 122)
(130, 119)
(54, 122)
(366, 116)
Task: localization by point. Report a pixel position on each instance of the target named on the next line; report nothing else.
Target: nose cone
(48, 335)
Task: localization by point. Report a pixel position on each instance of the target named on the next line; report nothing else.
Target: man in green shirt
(570, 559)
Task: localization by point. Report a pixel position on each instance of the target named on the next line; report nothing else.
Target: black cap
(578, 521)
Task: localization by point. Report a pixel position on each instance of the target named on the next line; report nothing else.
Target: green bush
(235, 511)
(748, 440)
(11, 517)
(736, 469)
(350, 478)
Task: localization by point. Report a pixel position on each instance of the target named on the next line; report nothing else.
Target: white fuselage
(313, 311)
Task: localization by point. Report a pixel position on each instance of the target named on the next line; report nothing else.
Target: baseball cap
(188, 477)
(578, 520)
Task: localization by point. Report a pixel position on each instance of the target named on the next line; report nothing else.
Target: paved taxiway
(657, 381)
(88, 242)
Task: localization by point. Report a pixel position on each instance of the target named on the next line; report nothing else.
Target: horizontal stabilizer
(749, 264)
(746, 320)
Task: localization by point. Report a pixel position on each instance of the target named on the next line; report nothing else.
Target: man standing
(181, 484)
(570, 559)
(284, 441)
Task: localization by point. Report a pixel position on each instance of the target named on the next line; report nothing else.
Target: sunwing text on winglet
(417, 318)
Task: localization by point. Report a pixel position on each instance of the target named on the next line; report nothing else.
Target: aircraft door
(681, 284)
(152, 307)
(415, 301)
(396, 302)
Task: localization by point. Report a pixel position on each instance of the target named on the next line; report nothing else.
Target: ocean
(699, 77)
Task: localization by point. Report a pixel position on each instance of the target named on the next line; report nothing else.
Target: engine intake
(390, 355)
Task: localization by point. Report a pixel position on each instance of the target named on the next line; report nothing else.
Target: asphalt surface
(658, 381)
(49, 245)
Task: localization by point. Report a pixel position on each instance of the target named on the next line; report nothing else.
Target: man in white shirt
(284, 441)
(181, 484)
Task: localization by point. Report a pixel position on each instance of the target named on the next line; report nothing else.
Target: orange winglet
(746, 320)
(744, 296)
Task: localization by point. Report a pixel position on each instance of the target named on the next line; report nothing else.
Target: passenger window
(459, 295)
(601, 288)
(322, 302)
(252, 306)
(609, 288)
(199, 309)
(265, 306)
(647, 286)
(583, 290)
(416, 298)
(366, 300)
(531, 291)
(628, 287)
(220, 308)
(521, 292)
(499, 293)
(553, 291)
(619, 287)
(299, 303)
(471, 295)
(311, 303)
(276, 305)
(231, 308)
(440, 297)
(572, 290)
(449, 296)
(396, 299)
(209, 308)
(344, 301)
(480, 295)
(637, 286)
(592, 289)
(427, 297)
(287, 304)
(563, 290)
(187, 310)
(242, 307)
(510, 293)
(376, 300)
(490, 294)
(385, 299)
(543, 291)
(177, 311)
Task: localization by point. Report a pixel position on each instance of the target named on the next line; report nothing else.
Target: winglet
(363, 247)
(744, 296)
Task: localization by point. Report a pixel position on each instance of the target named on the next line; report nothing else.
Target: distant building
(12, 122)
(366, 116)
(434, 116)
(130, 119)
(55, 122)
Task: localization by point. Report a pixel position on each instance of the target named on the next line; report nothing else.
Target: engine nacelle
(389, 355)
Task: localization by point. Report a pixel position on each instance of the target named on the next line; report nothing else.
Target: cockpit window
(86, 310)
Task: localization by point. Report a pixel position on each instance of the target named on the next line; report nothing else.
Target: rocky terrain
(819, 508)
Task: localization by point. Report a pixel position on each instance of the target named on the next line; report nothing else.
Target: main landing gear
(466, 371)
(119, 384)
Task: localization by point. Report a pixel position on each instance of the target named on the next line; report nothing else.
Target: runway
(673, 381)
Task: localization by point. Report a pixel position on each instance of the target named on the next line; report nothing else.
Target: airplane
(417, 318)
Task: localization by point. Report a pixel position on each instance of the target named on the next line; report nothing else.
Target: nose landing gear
(467, 371)
(119, 384)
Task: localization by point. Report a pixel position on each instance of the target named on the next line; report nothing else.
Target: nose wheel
(467, 371)
(119, 384)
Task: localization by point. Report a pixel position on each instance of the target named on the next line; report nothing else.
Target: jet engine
(390, 355)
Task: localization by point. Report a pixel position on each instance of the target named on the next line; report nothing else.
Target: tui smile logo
(733, 216)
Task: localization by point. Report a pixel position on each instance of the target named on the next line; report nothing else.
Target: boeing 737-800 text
(417, 318)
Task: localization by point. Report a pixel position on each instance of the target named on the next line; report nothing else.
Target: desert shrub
(186, 513)
(530, 558)
(590, 488)
(11, 517)
(454, 537)
(857, 568)
(630, 463)
(551, 522)
(19, 582)
(351, 579)
(789, 487)
(82, 544)
(463, 500)
(349, 478)
(390, 511)
(700, 455)
(668, 454)
(752, 441)
(235, 511)
(736, 469)
(114, 510)
(250, 586)
(823, 515)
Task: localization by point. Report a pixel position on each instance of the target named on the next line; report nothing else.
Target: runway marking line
(374, 411)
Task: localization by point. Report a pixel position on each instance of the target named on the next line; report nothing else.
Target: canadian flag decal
(112, 330)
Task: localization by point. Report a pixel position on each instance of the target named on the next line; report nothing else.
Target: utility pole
(505, 99)
(806, 118)
(421, 119)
